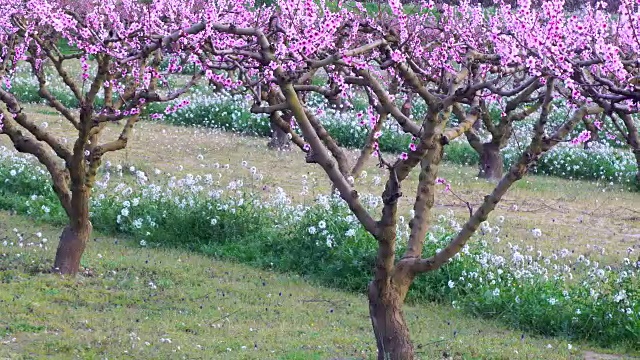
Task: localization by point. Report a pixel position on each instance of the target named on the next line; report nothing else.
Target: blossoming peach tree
(114, 82)
(457, 60)
(609, 74)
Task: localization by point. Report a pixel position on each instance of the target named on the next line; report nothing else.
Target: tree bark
(75, 236)
(591, 127)
(367, 149)
(477, 125)
(633, 139)
(391, 331)
(636, 152)
(491, 164)
(279, 139)
(73, 242)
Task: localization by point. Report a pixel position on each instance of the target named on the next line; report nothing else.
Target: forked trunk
(491, 165)
(73, 241)
(389, 326)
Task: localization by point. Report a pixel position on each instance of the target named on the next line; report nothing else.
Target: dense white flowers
(325, 222)
(620, 296)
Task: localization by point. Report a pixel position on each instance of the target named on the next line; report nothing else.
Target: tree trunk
(73, 241)
(279, 139)
(477, 125)
(637, 154)
(591, 127)
(491, 164)
(389, 326)
(633, 139)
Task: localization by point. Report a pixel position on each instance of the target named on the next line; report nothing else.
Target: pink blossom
(584, 136)
(447, 185)
(598, 124)
(397, 56)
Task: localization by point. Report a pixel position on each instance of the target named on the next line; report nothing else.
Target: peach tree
(106, 70)
(458, 60)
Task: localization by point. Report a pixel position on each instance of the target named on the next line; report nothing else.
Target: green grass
(321, 244)
(208, 309)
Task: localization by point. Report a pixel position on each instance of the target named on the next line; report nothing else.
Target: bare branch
(330, 143)
(408, 125)
(464, 126)
(412, 79)
(39, 133)
(26, 144)
(336, 177)
(474, 140)
(368, 149)
(51, 100)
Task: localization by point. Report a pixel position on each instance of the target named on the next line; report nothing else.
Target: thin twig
(226, 316)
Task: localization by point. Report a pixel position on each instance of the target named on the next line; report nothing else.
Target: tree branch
(28, 145)
(407, 124)
(465, 125)
(368, 149)
(539, 145)
(39, 133)
(349, 195)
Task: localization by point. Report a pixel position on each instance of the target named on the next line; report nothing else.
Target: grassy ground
(159, 304)
(571, 214)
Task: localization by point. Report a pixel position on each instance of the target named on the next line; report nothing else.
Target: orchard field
(231, 180)
(562, 211)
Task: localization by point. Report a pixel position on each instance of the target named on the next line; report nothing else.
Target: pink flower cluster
(295, 35)
(582, 138)
(447, 185)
